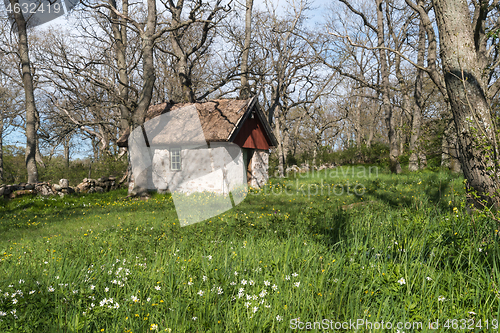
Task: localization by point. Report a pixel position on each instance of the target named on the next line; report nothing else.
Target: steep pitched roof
(220, 119)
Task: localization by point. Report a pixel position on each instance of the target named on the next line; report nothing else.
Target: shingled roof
(220, 118)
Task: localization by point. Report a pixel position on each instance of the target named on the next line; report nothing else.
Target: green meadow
(338, 250)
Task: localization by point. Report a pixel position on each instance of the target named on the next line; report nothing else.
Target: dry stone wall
(103, 184)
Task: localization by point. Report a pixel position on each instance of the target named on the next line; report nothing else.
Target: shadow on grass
(32, 213)
(331, 227)
(432, 192)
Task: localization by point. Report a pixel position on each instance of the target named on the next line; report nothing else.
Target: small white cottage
(187, 141)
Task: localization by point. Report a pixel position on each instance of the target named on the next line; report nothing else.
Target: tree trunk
(453, 150)
(445, 147)
(29, 94)
(373, 116)
(370, 137)
(417, 107)
(281, 152)
(423, 160)
(185, 93)
(399, 131)
(317, 145)
(184, 77)
(286, 145)
(245, 85)
(455, 156)
(120, 38)
(466, 89)
(119, 28)
(138, 183)
(386, 101)
(95, 149)
(413, 164)
(66, 151)
(38, 155)
(357, 123)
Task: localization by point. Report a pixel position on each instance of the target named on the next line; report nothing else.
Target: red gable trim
(252, 135)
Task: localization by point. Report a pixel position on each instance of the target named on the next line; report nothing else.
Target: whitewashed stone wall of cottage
(200, 172)
(260, 164)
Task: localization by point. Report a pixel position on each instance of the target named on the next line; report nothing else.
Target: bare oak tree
(245, 85)
(27, 82)
(469, 60)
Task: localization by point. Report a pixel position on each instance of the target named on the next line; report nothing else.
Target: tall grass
(352, 246)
